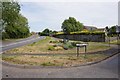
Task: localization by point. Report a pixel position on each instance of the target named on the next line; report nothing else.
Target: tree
(47, 32)
(54, 32)
(107, 30)
(14, 24)
(113, 29)
(23, 28)
(10, 12)
(20, 28)
(71, 25)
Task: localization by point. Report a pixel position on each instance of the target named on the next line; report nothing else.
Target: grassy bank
(117, 42)
(49, 45)
(60, 60)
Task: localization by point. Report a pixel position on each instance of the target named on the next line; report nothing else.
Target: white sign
(117, 29)
(80, 45)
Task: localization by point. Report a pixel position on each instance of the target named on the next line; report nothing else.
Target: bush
(61, 41)
(67, 45)
(83, 33)
(4, 36)
(58, 48)
(74, 43)
(51, 48)
(43, 34)
(48, 64)
(54, 41)
(50, 42)
(54, 45)
(70, 46)
(32, 44)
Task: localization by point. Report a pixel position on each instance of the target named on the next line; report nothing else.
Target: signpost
(117, 31)
(81, 45)
(107, 33)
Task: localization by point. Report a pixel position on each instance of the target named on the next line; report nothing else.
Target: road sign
(117, 29)
(81, 45)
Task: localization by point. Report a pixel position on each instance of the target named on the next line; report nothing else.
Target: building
(90, 28)
(101, 29)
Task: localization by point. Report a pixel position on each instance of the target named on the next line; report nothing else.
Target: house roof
(90, 27)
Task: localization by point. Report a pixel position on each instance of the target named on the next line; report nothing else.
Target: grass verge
(45, 47)
(54, 60)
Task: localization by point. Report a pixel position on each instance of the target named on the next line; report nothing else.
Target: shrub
(70, 46)
(51, 48)
(48, 64)
(74, 43)
(61, 41)
(50, 42)
(58, 48)
(4, 36)
(54, 41)
(54, 45)
(32, 44)
(84, 32)
(67, 45)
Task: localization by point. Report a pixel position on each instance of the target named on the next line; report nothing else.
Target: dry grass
(115, 42)
(42, 46)
(60, 60)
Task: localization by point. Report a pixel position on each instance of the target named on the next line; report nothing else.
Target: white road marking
(19, 42)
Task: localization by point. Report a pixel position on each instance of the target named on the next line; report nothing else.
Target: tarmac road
(21, 42)
(104, 69)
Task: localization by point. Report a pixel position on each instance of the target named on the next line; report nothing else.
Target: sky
(50, 15)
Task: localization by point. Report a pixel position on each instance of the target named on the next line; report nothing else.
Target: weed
(51, 48)
(48, 64)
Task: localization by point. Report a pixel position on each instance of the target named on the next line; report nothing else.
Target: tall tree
(0, 17)
(20, 28)
(10, 12)
(71, 25)
(113, 30)
(14, 24)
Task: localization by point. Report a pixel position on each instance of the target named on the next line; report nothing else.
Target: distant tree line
(14, 24)
(47, 32)
(68, 25)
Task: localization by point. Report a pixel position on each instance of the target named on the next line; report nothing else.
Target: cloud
(43, 15)
(68, 0)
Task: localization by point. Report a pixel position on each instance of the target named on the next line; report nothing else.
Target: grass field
(115, 42)
(42, 47)
(61, 60)
(45, 46)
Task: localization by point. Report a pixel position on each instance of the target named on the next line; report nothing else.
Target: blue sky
(50, 15)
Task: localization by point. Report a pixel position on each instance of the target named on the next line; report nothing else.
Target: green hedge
(84, 33)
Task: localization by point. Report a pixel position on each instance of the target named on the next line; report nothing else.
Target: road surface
(20, 43)
(10, 44)
(104, 69)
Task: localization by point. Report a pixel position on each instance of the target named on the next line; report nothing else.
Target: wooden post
(85, 51)
(77, 51)
(109, 41)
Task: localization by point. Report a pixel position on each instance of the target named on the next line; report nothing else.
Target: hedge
(82, 33)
